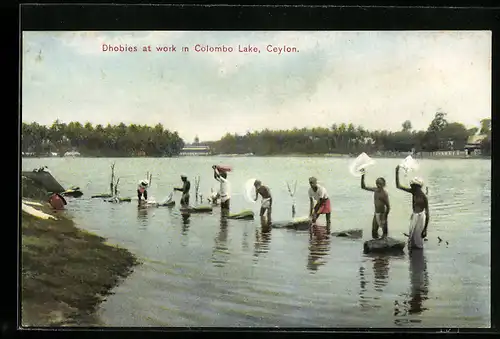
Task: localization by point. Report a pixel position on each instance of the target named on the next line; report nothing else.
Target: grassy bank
(65, 272)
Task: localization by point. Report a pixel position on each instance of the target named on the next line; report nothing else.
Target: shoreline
(66, 272)
(291, 155)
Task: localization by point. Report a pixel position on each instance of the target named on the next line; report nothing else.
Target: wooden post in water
(292, 193)
(196, 187)
(112, 178)
(116, 187)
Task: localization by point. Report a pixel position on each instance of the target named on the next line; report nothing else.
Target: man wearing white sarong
(267, 201)
(420, 217)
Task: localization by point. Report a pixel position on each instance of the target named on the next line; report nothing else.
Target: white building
(72, 154)
(198, 150)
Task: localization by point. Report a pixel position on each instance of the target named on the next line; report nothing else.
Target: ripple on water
(199, 273)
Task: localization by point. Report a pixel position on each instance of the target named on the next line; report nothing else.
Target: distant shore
(296, 155)
(66, 271)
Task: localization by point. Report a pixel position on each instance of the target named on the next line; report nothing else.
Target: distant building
(72, 154)
(473, 145)
(195, 150)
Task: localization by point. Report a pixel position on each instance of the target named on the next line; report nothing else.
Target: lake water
(201, 272)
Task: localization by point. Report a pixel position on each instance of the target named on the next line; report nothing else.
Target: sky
(376, 79)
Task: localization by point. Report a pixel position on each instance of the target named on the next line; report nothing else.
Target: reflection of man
(318, 249)
(380, 271)
(262, 240)
(219, 254)
(419, 281)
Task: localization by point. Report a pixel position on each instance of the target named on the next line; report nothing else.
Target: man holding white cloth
(225, 188)
(267, 201)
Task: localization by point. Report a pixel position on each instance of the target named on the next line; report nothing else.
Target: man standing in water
(224, 193)
(318, 193)
(382, 207)
(186, 186)
(420, 216)
(267, 201)
(142, 190)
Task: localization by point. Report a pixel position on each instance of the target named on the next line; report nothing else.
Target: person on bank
(186, 186)
(382, 206)
(267, 201)
(225, 187)
(57, 201)
(319, 202)
(420, 216)
(142, 190)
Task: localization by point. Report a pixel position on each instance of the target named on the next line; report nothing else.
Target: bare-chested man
(382, 206)
(267, 201)
(420, 216)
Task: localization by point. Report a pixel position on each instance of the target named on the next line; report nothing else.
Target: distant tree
(438, 123)
(119, 140)
(485, 126)
(434, 139)
(455, 134)
(407, 126)
(472, 131)
(196, 140)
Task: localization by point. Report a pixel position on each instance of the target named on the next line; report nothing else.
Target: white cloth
(380, 218)
(225, 189)
(319, 194)
(266, 203)
(417, 223)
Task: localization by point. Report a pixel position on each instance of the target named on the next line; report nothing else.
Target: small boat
(243, 215)
(384, 245)
(301, 224)
(119, 200)
(197, 209)
(353, 233)
(36, 213)
(74, 192)
(104, 195)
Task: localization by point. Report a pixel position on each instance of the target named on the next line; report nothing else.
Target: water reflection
(262, 240)
(185, 223)
(362, 288)
(244, 243)
(142, 214)
(220, 254)
(381, 266)
(419, 287)
(319, 247)
(380, 272)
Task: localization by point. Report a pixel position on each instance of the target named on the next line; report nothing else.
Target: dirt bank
(65, 272)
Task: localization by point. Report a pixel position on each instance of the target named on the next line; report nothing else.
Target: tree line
(109, 141)
(344, 139)
(141, 140)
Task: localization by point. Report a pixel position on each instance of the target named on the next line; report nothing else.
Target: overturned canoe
(45, 180)
(197, 209)
(243, 215)
(36, 213)
(74, 192)
(167, 203)
(302, 224)
(105, 195)
(354, 233)
(384, 245)
(32, 203)
(118, 200)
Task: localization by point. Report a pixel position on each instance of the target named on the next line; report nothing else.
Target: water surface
(207, 271)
